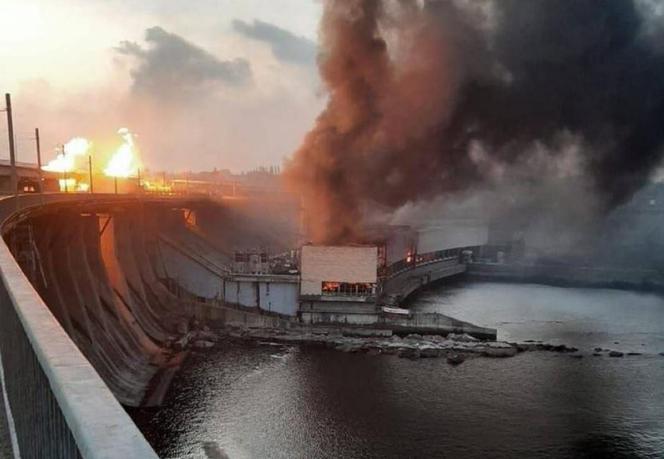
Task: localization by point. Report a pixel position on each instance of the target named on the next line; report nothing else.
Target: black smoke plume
(432, 97)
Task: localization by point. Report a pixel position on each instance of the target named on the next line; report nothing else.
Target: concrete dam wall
(125, 278)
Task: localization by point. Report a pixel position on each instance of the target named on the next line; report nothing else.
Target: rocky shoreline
(455, 347)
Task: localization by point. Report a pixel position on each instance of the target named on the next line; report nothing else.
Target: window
(347, 288)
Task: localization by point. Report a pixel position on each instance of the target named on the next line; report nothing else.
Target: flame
(71, 185)
(65, 161)
(156, 187)
(124, 161)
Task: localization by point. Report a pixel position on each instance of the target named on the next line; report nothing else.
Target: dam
(106, 296)
(101, 294)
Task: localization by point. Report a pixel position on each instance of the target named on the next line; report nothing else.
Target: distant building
(28, 178)
(338, 284)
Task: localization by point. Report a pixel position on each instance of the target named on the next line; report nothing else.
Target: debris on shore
(455, 347)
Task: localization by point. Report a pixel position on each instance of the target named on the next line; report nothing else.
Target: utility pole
(115, 183)
(64, 170)
(90, 172)
(12, 153)
(39, 165)
(139, 179)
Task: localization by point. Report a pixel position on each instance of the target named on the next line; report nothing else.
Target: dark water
(242, 400)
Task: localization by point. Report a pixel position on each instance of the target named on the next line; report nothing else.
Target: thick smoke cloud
(172, 66)
(285, 45)
(434, 98)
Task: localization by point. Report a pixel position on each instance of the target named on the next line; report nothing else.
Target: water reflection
(264, 401)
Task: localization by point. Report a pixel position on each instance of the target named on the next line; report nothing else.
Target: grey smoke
(172, 65)
(435, 98)
(285, 45)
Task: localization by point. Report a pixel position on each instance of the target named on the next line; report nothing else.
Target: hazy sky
(203, 84)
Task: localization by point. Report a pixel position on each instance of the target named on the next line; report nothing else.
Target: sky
(202, 84)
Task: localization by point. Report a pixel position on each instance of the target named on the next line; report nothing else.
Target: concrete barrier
(58, 404)
(407, 281)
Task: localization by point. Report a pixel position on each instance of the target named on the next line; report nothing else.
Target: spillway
(111, 272)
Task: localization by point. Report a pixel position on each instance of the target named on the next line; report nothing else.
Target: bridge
(407, 276)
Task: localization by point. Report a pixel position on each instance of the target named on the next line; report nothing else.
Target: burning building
(338, 284)
(329, 271)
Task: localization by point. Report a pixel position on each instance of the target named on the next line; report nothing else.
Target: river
(244, 400)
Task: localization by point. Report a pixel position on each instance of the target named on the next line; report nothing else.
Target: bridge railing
(57, 404)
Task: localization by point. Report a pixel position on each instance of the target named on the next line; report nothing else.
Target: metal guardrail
(60, 406)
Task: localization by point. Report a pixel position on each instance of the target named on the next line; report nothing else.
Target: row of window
(348, 289)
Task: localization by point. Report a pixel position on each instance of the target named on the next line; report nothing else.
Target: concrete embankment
(432, 324)
(402, 284)
(423, 323)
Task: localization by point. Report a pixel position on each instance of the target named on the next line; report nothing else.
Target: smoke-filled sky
(203, 84)
(434, 98)
(380, 104)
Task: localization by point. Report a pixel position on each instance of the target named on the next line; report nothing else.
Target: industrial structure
(99, 292)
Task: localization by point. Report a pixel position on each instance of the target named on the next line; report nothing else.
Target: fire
(71, 184)
(65, 161)
(156, 187)
(124, 161)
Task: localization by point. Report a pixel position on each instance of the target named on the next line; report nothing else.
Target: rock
(616, 342)
(499, 352)
(563, 348)
(595, 354)
(414, 336)
(462, 337)
(634, 353)
(455, 359)
(525, 346)
(409, 353)
(202, 344)
(615, 354)
(346, 347)
(598, 349)
(429, 353)
(374, 351)
(576, 356)
(662, 354)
